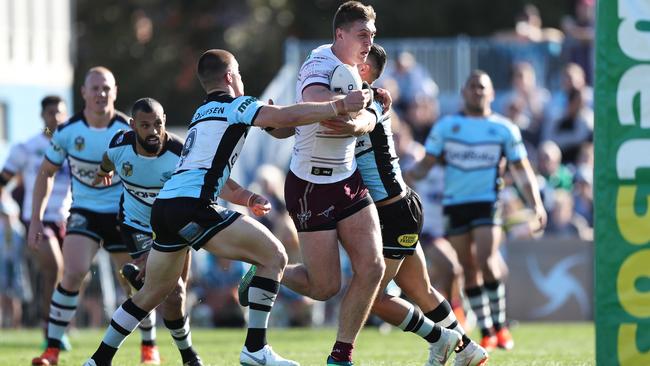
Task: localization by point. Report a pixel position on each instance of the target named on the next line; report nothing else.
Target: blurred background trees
(152, 45)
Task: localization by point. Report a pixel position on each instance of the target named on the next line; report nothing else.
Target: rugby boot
(244, 285)
(130, 272)
(331, 361)
(49, 357)
(264, 357)
(489, 342)
(504, 339)
(149, 355)
(471, 355)
(90, 362)
(444, 347)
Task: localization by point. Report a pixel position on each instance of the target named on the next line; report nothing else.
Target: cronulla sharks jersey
(84, 147)
(214, 140)
(377, 160)
(142, 176)
(471, 148)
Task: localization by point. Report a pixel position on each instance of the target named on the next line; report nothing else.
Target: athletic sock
(444, 316)
(62, 310)
(342, 351)
(478, 300)
(417, 323)
(496, 292)
(148, 330)
(261, 297)
(180, 331)
(124, 321)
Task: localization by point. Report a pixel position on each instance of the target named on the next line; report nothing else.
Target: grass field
(536, 345)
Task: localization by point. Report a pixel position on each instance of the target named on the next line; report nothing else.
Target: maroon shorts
(52, 229)
(317, 207)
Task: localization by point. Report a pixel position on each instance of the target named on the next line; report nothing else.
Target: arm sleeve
(435, 141)
(514, 145)
(244, 110)
(56, 153)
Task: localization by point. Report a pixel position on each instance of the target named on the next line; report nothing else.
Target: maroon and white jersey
(25, 159)
(318, 157)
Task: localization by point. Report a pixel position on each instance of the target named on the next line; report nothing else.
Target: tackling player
(186, 216)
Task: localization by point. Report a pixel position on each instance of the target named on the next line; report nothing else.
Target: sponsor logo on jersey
(407, 240)
(127, 169)
(147, 195)
(469, 157)
(79, 143)
(321, 171)
(242, 107)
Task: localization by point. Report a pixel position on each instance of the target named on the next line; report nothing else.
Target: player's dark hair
(50, 100)
(378, 57)
(145, 105)
(351, 11)
(212, 65)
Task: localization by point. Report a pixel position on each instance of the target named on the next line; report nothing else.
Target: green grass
(540, 344)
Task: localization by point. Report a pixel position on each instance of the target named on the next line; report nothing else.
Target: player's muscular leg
(119, 259)
(413, 279)
(319, 276)
(174, 305)
(78, 254)
(445, 272)
(162, 274)
(488, 239)
(361, 238)
(50, 260)
(384, 306)
(248, 240)
(467, 257)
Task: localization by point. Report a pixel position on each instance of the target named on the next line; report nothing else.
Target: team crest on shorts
(407, 240)
(127, 169)
(79, 143)
(77, 221)
(304, 216)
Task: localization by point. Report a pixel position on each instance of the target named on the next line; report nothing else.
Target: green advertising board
(622, 189)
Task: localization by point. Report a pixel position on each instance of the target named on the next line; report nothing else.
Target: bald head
(213, 65)
(101, 71)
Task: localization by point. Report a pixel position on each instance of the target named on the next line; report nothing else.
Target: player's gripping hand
(103, 177)
(353, 102)
(383, 96)
(258, 205)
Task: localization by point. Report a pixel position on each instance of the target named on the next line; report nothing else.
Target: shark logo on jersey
(127, 169)
(187, 147)
(77, 221)
(120, 139)
(79, 143)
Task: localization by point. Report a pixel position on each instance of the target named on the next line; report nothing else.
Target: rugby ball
(344, 79)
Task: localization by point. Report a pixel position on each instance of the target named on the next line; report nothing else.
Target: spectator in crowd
(421, 113)
(572, 77)
(573, 129)
(528, 28)
(527, 99)
(14, 285)
(583, 195)
(551, 174)
(580, 33)
(413, 81)
(564, 222)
